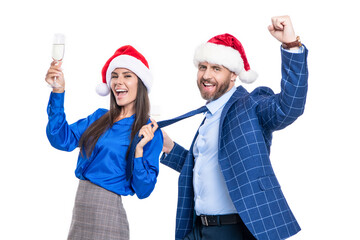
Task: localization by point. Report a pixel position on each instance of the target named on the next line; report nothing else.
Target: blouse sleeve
(61, 135)
(146, 168)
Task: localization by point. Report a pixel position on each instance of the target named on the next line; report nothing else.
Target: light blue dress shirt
(211, 194)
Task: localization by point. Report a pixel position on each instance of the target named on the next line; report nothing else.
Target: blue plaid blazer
(246, 126)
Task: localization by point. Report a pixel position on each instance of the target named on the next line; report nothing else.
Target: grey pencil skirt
(98, 215)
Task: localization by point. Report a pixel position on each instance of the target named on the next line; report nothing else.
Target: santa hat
(125, 57)
(227, 51)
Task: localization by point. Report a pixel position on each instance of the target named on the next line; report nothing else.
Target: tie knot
(203, 109)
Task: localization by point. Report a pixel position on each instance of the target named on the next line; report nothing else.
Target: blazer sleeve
(176, 158)
(276, 111)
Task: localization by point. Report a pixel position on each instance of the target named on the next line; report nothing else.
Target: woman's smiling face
(124, 84)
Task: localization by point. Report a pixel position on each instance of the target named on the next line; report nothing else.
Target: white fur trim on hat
(134, 65)
(219, 54)
(225, 56)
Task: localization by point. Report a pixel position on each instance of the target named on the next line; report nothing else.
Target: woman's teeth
(120, 90)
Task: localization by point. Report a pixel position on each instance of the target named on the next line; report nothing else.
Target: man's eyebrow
(215, 66)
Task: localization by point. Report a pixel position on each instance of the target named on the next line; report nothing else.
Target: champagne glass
(58, 50)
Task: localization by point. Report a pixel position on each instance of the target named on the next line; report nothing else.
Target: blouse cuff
(56, 100)
(140, 163)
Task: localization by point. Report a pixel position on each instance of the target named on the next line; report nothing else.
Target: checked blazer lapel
(239, 93)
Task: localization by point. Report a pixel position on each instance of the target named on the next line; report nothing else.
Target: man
(227, 187)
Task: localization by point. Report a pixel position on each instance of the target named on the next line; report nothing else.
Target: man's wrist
(292, 45)
(169, 148)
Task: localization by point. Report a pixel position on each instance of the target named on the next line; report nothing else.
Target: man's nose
(207, 74)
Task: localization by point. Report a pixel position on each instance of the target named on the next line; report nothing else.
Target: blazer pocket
(268, 182)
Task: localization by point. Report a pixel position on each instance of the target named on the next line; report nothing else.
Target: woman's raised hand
(55, 77)
(147, 131)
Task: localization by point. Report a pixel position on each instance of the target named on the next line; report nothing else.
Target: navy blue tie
(131, 154)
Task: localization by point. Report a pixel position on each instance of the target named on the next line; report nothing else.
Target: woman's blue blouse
(106, 165)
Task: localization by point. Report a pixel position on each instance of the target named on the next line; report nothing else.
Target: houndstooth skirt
(98, 215)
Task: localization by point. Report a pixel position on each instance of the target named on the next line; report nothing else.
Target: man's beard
(220, 89)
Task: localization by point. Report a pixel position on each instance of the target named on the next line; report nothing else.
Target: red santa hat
(125, 57)
(227, 51)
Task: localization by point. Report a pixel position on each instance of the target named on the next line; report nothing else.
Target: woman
(103, 139)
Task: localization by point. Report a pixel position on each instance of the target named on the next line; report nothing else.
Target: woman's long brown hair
(92, 134)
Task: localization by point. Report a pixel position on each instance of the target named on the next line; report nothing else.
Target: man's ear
(233, 77)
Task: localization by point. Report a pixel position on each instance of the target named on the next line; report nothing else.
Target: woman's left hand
(147, 131)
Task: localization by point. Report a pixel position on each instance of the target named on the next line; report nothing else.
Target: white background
(316, 159)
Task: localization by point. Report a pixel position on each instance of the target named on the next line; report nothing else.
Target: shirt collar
(215, 105)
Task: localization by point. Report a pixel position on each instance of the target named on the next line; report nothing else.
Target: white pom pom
(102, 89)
(248, 76)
